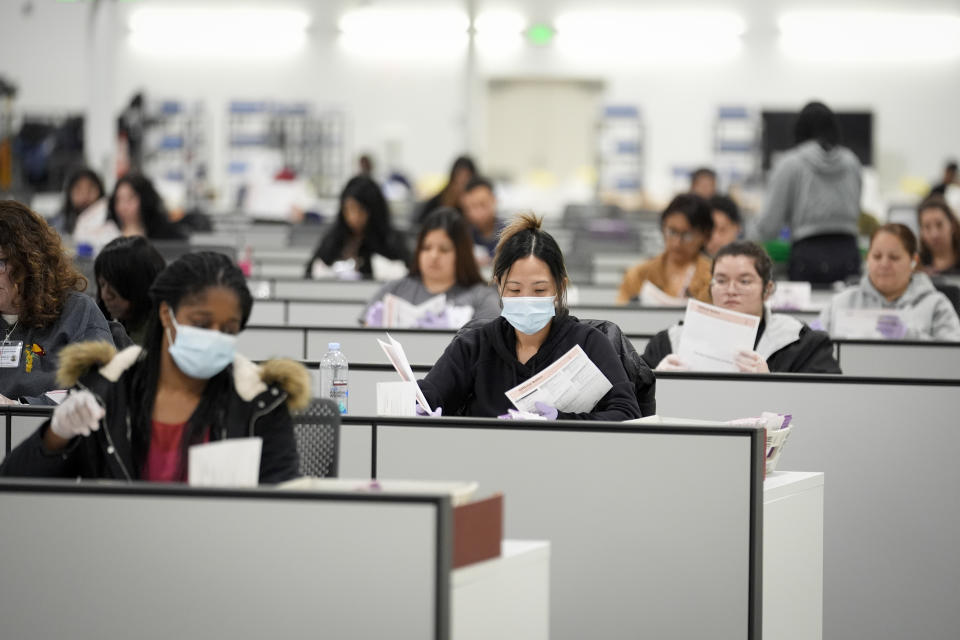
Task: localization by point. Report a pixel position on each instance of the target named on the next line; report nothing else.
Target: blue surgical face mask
(201, 353)
(529, 315)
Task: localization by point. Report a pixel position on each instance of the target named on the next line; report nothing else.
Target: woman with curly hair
(41, 304)
(137, 210)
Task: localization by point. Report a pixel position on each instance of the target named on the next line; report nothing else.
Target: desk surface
(780, 484)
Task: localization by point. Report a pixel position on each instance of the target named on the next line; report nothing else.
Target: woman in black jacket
(362, 228)
(534, 330)
(742, 281)
(133, 415)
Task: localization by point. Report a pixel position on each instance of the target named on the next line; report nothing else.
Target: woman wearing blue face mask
(533, 331)
(133, 415)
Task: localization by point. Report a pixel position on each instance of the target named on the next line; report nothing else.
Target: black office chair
(952, 292)
(317, 432)
(643, 379)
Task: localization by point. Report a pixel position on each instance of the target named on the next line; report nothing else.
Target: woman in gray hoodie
(815, 191)
(915, 309)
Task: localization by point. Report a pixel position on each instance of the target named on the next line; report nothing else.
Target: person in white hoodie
(917, 310)
(815, 191)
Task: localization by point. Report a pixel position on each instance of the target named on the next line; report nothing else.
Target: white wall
(420, 101)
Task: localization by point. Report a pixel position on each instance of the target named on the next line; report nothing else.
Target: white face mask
(529, 315)
(201, 353)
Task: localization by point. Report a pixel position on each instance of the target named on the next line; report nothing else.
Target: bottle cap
(333, 346)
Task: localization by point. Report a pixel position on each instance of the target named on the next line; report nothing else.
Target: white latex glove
(78, 415)
(751, 362)
(672, 363)
(5, 400)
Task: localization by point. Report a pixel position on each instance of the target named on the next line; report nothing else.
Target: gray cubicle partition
(98, 560)
(655, 530)
(899, 359)
(891, 514)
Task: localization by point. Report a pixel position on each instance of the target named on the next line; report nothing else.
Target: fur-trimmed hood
(250, 380)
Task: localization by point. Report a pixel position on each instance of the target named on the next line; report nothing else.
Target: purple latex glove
(374, 317)
(423, 412)
(816, 325)
(548, 412)
(434, 321)
(891, 327)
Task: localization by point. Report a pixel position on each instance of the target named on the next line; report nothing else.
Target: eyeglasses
(742, 284)
(683, 236)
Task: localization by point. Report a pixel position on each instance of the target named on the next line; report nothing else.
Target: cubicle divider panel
(891, 514)
(900, 359)
(422, 346)
(357, 290)
(263, 343)
(268, 312)
(333, 313)
(231, 564)
(651, 529)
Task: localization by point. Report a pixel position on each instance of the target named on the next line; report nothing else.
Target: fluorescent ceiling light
(663, 36)
(869, 36)
(218, 33)
(398, 31)
(499, 31)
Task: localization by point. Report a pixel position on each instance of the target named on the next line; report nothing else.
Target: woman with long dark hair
(133, 415)
(362, 229)
(815, 191)
(443, 264)
(137, 210)
(125, 270)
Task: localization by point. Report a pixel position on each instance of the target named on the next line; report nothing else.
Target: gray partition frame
(441, 503)
(756, 436)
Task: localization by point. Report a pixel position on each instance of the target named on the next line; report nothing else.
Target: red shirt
(163, 456)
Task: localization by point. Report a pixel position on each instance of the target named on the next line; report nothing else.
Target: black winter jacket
(257, 405)
(788, 345)
(471, 376)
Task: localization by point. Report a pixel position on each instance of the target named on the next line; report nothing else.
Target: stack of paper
(712, 337)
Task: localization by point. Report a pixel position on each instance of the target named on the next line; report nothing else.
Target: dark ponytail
(181, 281)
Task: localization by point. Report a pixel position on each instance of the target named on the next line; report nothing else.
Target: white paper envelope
(227, 463)
(397, 398)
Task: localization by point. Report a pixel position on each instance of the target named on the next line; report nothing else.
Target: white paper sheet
(398, 359)
(791, 295)
(398, 313)
(397, 398)
(653, 296)
(572, 384)
(861, 323)
(226, 463)
(712, 336)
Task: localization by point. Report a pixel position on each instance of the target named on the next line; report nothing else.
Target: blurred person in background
(727, 223)
(682, 270)
(479, 204)
(815, 191)
(84, 212)
(743, 282)
(361, 230)
(125, 270)
(137, 210)
(918, 310)
(41, 304)
(443, 264)
(939, 237)
(703, 182)
(949, 180)
(461, 172)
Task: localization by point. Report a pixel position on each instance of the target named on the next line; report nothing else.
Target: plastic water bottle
(333, 376)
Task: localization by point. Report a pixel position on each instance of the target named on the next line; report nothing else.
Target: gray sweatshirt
(929, 313)
(812, 191)
(80, 320)
(483, 298)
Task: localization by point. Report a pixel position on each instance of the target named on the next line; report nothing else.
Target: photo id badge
(10, 354)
